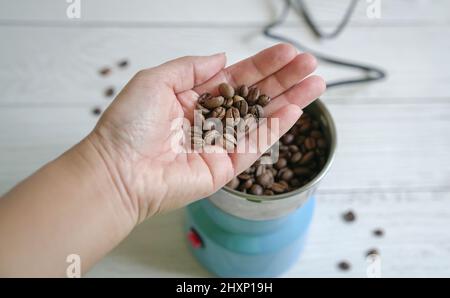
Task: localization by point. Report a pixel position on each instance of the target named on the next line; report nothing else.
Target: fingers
(301, 95)
(284, 119)
(291, 74)
(252, 69)
(187, 72)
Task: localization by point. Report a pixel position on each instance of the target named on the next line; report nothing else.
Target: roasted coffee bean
(201, 108)
(242, 106)
(260, 169)
(245, 176)
(201, 99)
(256, 189)
(281, 163)
(213, 102)
(285, 174)
(293, 148)
(278, 187)
(218, 113)
(305, 127)
(211, 137)
(296, 157)
(300, 140)
(105, 71)
(247, 184)
(109, 91)
(295, 183)
(344, 265)
(253, 95)
(372, 251)
(265, 179)
(232, 116)
(242, 90)
(122, 63)
(228, 103)
(263, 100)
(96, 111)
(287, 138)
(310, 143)
(302, 171)
(322, 143)
(349, 216)
(315, 134)
(378, 232)
(308, 157)
(273, 171)
(228, 141)
(249, 122)
(256, 111)
(234, 183)
(226, 90)
(268, 192)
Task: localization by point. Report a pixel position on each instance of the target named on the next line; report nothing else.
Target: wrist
(99, 169)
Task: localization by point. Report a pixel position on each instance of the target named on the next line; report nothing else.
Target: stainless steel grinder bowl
(254, 207)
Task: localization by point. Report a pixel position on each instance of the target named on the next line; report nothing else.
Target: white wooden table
(393, 162)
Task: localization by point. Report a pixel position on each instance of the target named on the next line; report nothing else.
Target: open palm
(135, 131)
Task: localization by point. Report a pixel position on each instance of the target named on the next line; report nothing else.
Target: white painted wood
(416, 243)
(60, 65)
(231, 12)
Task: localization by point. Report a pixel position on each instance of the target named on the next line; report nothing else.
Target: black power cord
(371, 73)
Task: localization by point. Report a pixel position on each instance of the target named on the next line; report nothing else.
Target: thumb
(187, 72)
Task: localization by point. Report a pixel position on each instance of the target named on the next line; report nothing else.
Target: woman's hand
(134, 136)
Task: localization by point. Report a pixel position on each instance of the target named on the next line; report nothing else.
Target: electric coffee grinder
(235, 234)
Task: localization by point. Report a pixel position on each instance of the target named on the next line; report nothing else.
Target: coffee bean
(201, 99)
(293, 148)
(201, 108)
(247, 184)
(242, 90)
(344, 265)
(268, 192)
(256, 189)
(228, 141)
(349, 216)
(228, 103)
(122, 63)
(253, 95)
(315, 134)
(245, 176)
(226, 90)
(296, 157)
(305, 127)
(242, 106)
(256, 111)
(234, 183)
(372, 251)
(281, 163)
(310, 143)
(302, 171)
(104, 71)
(265, 179)
(285, 174)
(213, 102)
(96, 111)
(287, 138)
(308, 157)
(232, 116)
(378, 232)
(218, 113)
(109, 91)
(211, 137)
(278, 187)
(322, 143)
(263, 100)
(260, 169)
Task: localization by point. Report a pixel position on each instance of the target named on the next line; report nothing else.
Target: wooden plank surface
(392, 165)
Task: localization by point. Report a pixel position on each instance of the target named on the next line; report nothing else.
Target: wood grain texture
(392, 165)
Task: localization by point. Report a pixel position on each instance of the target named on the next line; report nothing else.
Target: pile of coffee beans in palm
(235, 109)
(303, 153)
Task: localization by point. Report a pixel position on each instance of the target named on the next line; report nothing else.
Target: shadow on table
(156, 248)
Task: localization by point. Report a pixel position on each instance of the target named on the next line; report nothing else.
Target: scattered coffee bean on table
(344, 265)
(349, 216)
(109, 92)
(303, 153)
(122, 63)
(372, 251)
(104, 71)
(378, 233)
(96, 111)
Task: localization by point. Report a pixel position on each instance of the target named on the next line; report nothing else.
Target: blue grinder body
(229, 246)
